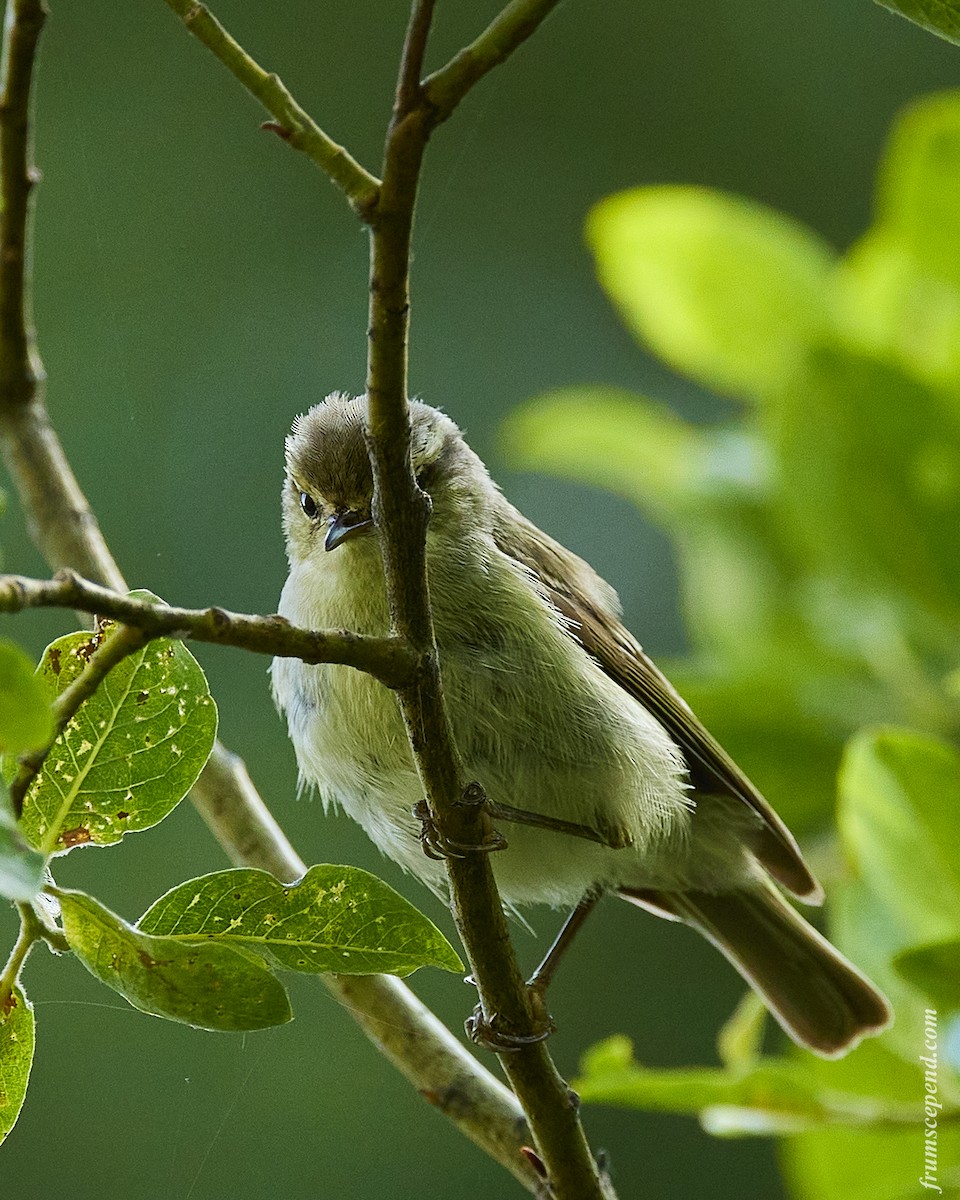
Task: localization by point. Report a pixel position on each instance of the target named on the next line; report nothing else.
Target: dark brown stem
(21, 372)
(388, 659)
(402, 512)
(411, 61)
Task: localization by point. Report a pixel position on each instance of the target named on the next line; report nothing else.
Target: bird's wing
(590, 608)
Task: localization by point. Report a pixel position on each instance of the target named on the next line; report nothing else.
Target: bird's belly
(537, 725)
(351, 742)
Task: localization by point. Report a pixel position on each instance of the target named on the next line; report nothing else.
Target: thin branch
(388, 659)
(515, 23)
(411, 62)
(291, 121)
(21, 371)
(113, 649)
(66, 531)
(30, 932)
(401, 512)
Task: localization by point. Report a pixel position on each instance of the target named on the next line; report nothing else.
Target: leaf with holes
(131, 752)
(207, 985)
(337, 919)
(16, 1057)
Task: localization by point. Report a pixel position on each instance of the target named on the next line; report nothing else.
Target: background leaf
(899, 811)
(919, 193)
(337, 919)
(205, 984)
(720, 287)
(868, 1164)
(757, 1096)
(130, 754)
(17, 1038)
(881, 474)
(21, 868)
(26, 720)
(890, 306)
(934, 970)
(941, 17)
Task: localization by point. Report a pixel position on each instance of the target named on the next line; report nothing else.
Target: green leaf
(868, 1164)
(609, 438)
(741, 1036)
(131, 752)
(935, 971)
(882, 473)
(26, 719)
(898, 815)
(720, 287)
(205, 984)
(17, 1037)
(864, 929)
(941, 17)
(21, 868)
(770, 1096)
(766, 715)
(707, 487)
(337, 919)
(919, 193)
(889, 305)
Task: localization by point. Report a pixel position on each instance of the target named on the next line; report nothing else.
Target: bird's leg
(539, 981)
(486, 1032)
(615, 839)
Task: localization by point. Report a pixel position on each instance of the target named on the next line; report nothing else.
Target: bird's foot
(491, 1033)
(437, 846)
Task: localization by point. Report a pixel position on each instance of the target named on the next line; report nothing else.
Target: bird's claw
(487, 1032)
(438, 847)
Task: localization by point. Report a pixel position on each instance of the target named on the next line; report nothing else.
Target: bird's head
(328, 489)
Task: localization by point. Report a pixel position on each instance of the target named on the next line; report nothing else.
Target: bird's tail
(821, 1000)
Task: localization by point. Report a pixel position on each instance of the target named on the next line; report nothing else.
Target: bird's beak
(344, 525)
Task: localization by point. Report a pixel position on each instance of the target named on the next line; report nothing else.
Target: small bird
(608, 780)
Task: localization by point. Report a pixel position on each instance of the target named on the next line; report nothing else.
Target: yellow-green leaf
(723, 289)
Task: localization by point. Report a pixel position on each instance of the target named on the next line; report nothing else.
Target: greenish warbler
(556, 709)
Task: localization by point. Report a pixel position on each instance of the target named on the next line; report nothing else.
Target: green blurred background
(197, 285)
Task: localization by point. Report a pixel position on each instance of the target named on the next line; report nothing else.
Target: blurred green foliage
(196, 286)
(941, 17)
(818, 538)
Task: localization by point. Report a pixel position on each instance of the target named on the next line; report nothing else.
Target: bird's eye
(309, 505)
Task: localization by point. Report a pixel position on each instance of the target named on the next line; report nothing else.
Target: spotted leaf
(338, 919)
(131, 752)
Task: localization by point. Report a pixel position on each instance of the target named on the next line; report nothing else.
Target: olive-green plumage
(555, 709)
